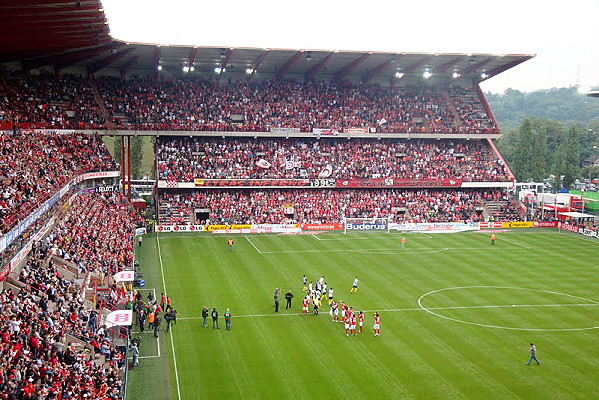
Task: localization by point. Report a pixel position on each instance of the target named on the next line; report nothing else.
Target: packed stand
(184, 158)
(331, 206)
(204, 105)
(96, 233)
(472, 115)
(57, 102)
(38, 359)
(34, 166)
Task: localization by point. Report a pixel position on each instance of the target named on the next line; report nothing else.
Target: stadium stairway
(102, 105)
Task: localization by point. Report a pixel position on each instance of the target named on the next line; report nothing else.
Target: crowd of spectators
(59, 102)
(329, 206)
(34, 166)
(184, 158)
(472, 115)
(96, 233)
(48, 340)
(68, 102)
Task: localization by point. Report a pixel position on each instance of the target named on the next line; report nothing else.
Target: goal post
(377, 224)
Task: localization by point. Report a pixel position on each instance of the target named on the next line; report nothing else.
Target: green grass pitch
(457, 315)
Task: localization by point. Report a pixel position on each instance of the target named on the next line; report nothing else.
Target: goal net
(366, 225)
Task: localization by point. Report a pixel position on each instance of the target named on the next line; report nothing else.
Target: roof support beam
(505, 67)
(312, 72)
(257, 64)
(443, 68)
(223, 64)
(475, 67)
(192, 55)
(417, 65)
(377, 70)
(92, 69)
(130, 63)
(157, 51)
(287, 66)
(351, 66)
(69, 58)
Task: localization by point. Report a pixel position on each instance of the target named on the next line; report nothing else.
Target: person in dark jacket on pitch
(215, 319)
(288, 297)
(205, 315)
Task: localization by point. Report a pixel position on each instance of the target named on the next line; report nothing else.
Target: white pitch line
(418, 309)
(171, 332)
(252, 243)
(512, 242)
(407, 251)
(316, 237)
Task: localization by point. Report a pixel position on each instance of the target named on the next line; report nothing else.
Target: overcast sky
(562, 34)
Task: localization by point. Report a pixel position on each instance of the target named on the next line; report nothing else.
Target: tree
(572, 159)
(539, 162)
(136, 156)
(523, 151)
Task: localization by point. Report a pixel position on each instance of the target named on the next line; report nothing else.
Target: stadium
(353, 187)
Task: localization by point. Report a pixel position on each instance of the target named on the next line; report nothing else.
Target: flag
(262, 163)
(326, 171)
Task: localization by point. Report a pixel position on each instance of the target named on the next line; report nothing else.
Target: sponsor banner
(436, 227)
(274, 226)
(180, 228)
(324, 131)
(355, 130)
(365, 226)
(285, 130)
(273, 229)
(398, 183)
(232, 231)
(96, 175)
(487, 225)
(5, 271)
(211, 228)
(119, 318)
(568, 227)
(140, 231)
(249, 183)
(589, 232)
(321, 227)
(102, 189)
(545, 224)
(517, 224)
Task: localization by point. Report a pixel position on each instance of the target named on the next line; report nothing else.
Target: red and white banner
(568, 227)
(545, 224)
(487, 225)
(355, 130)
(119, 318)
(124, 276)
(398, 183)
(324, 131)
(321, 227)
(180, 228)
(262, 163)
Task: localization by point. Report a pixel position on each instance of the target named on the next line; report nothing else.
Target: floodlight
(186, 69)
(192, 68)
(455, 75)
(399, 75)
(218, 70)
(249, 71)
(160, 68)
(427, 74)
(484, 75)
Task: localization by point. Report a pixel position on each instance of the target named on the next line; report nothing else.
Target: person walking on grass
(230, 243)
(135, 351)
(288, 297)
(205, 315)
(277, 297)
(533, 354)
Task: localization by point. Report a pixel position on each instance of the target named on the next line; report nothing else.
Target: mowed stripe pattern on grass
(418, 355)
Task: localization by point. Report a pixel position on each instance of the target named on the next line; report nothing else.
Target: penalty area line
(253, 245)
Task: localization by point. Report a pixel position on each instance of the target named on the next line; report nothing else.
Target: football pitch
(457, 316)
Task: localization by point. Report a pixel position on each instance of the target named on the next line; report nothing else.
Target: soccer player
(330, 295)
(403, 242)
(332, 311)
(305, 304)
(376, 326)
(336, 311)
(310, 287)
(230, 243)
(304, 283)
(346, 321)
(492, 238)
(324, 290)
(354, 288)
(361, 319)
(352, 324)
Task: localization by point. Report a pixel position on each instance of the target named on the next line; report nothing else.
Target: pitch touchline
(415, 309)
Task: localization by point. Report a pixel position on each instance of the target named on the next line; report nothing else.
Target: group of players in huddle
(338, 311)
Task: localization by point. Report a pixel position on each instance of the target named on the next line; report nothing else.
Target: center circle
(434, 310)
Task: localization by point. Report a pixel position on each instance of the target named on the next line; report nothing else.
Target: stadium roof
(61, 34)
